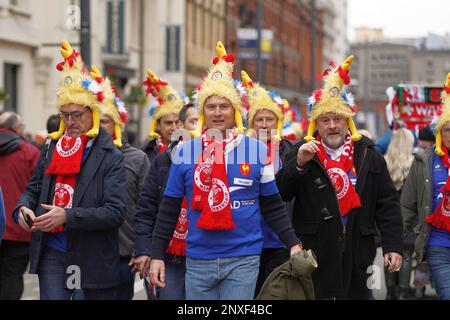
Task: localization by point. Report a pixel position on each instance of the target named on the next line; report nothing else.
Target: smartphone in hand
(27, 218)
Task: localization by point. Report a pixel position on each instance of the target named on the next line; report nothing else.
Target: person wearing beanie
(265, 120)
(74, 203)
(114, 117)
(228, 184)
(426, 138)
(164, 113)
(342, 191)
(425, 200)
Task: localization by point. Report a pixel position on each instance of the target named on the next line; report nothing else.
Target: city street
(32, 289)
(274, 124)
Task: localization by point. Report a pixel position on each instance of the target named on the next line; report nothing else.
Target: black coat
(151, 149)
(93, 222)
(317, 220)
(149, 199)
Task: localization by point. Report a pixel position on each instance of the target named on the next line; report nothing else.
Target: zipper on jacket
(362, 163)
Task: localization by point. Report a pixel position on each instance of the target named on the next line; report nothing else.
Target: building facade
(381, 63)
(205, 25)
(126, 37)
(335, 42)
(297, 37)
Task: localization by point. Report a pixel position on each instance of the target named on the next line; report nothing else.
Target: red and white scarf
(441, 216)
(161, 145)
(211, 194)
(348, 199)
(66, 164)
(273, 155)
(177, 245)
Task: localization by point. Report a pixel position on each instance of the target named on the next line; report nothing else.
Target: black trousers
(271, 258)
(14, 256)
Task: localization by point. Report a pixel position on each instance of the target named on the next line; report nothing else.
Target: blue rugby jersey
(438, 237)
(245, 187)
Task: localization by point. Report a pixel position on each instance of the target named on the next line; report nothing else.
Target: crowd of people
(209, 210)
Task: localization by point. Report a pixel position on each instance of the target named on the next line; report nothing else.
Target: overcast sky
(400, 18)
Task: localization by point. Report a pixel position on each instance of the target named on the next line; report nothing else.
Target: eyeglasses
(76, 116)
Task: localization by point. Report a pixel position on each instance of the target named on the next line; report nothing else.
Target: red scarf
(348, 199)
(65, 164)
(441, 216)
(211, 194)
(161, 145)
(273, 155)
(177, 245)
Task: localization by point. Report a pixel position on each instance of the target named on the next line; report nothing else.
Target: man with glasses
(74, 203)
(113, 120)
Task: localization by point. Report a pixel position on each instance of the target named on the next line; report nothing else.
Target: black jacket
(136, 167)
(319, 226)
(151, 149)
(149, 200)
(94, 220)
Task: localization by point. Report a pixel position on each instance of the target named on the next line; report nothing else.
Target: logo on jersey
(68, 146)
(63, 195)
(340, 181)
(218, 197)
(245, 169)
(202, 176)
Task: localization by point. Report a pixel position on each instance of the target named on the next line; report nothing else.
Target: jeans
(52, 280)
(175, 279)
(126, 285)
(222, 279)
(438, 259)
(14, 256)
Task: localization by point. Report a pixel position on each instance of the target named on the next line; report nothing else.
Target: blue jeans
(52, 277)
(175, 278)
(438, 259)
(52, 281)
(222, 279)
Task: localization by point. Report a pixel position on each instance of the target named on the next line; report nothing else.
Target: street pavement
(31, 291)
(31, 288)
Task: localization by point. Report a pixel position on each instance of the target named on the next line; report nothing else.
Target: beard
(334, 141)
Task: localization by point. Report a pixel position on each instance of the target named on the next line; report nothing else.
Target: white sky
(400, 18)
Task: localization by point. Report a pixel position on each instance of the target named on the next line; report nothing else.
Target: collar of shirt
(334, 154)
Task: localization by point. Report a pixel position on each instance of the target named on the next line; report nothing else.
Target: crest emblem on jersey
(245, 169)
(340, 181)
(218, 197)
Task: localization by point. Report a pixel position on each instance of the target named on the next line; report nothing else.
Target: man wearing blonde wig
(342, 190)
